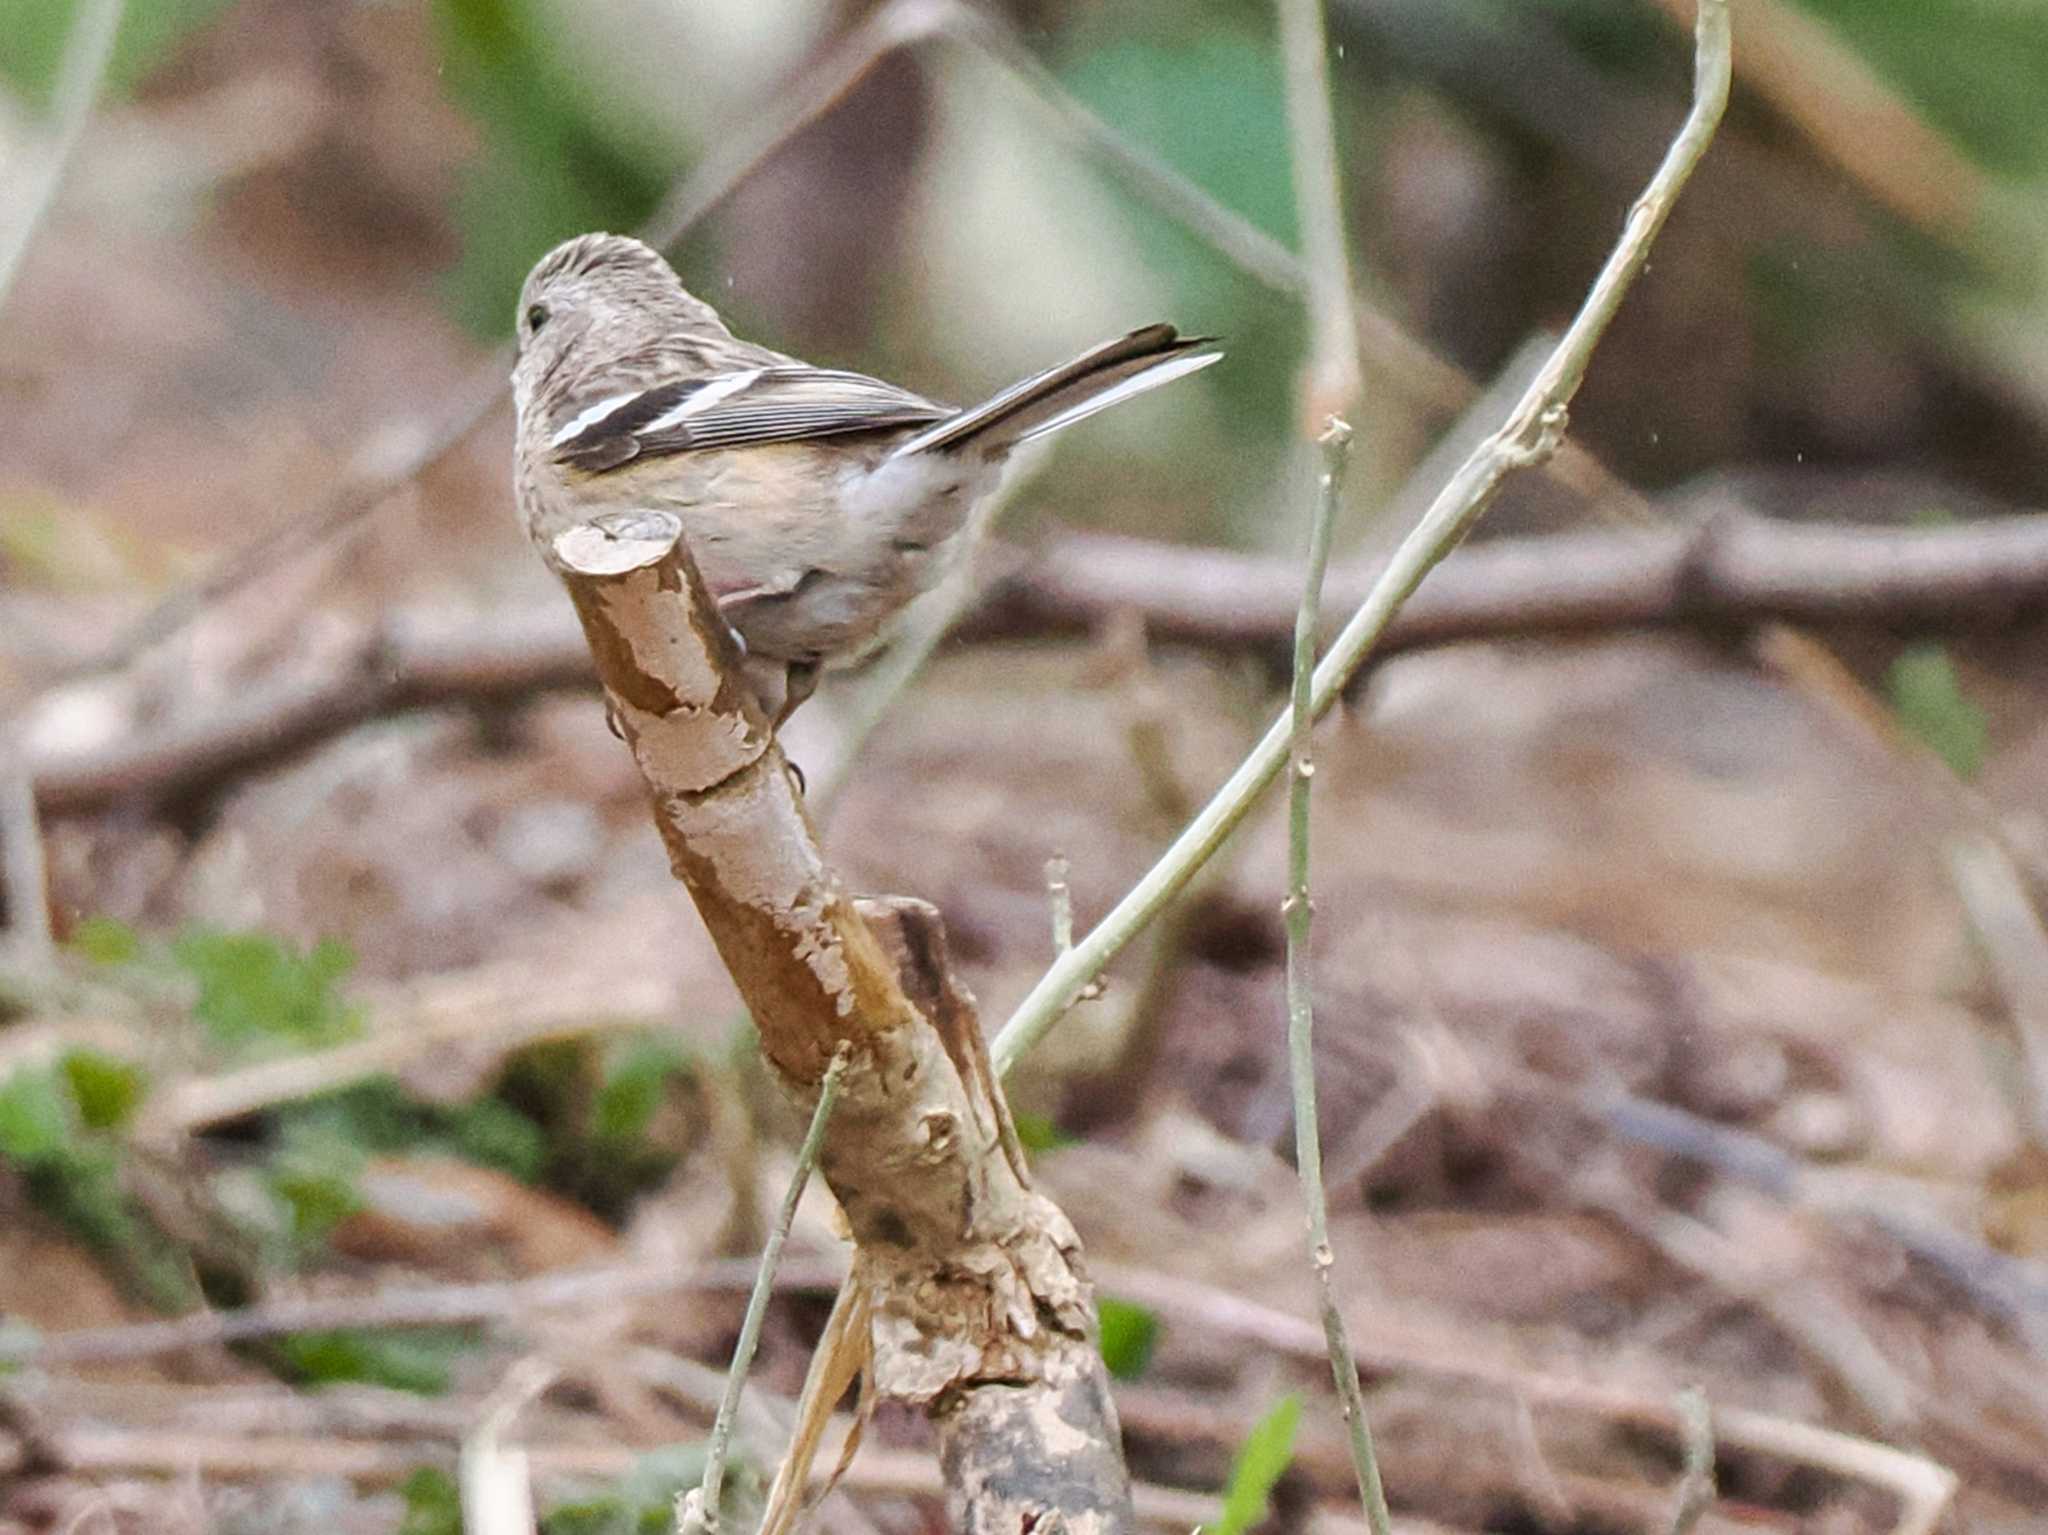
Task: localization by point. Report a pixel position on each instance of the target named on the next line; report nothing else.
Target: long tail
(1099, 378)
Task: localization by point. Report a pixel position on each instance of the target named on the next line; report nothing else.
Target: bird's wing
(772, 403)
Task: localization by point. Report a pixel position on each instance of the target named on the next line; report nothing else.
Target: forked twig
(1531, 433)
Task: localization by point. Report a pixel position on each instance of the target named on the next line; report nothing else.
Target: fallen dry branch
(976, 1306)
(1732, 570)
(582, 1290)
(115, 1450)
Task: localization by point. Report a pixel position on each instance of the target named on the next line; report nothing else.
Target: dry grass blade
(495, 1480)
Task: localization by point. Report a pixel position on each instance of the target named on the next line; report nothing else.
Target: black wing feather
(777, 404)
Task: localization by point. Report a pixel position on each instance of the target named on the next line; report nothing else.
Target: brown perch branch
(976, 1307)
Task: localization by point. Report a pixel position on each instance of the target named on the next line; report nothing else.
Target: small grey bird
(817, 503)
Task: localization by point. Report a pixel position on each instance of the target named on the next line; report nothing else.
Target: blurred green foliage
(33, 34)
(312, 1172)
(107, 1091)
(643, 1502)
(1263, 1458)
(548, 168)
(1214, 108)
(1040, 1132)
(1129, 1334)
(1931, 703)
(598, 1109)
(581, 1118)
(256, 989)
(59, 1132)
(103, 941)
(1976, 70)
(636, 1075)
(416, 1359)
(433, 1503)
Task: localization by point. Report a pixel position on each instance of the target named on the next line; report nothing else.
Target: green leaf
(1932, 705)
(256, 988)
(1267, 1452)
(419, 1359)
(632, 1088)
(492, 1133)
(433, 1503)
(73, 1175)
(1040, 1132)
(106, 1090)
(315, 1173)
(104, 941)
(37, 1123)
(1129, 1332)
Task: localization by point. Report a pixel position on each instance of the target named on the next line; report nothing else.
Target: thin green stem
(1530, 434)
(1300, 913)
(80, 75)
(700, 1508)
(79, 78)
(1305, 48)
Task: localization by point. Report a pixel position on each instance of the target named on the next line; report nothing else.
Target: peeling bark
(979, 1309)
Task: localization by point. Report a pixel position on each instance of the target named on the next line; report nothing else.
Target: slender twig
(79, 78)
(1696, 1477)
(1298, 913)
(1332, 384)
(80, 75)
(1061, 895)
(1333, 374)
(2008, 928)
(24, 871)
(1530, 434)
(700, 1508)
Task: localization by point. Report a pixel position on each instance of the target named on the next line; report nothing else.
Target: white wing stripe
(590, 415)
(702, 399)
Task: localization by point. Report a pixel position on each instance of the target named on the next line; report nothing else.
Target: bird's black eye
(536, 317)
